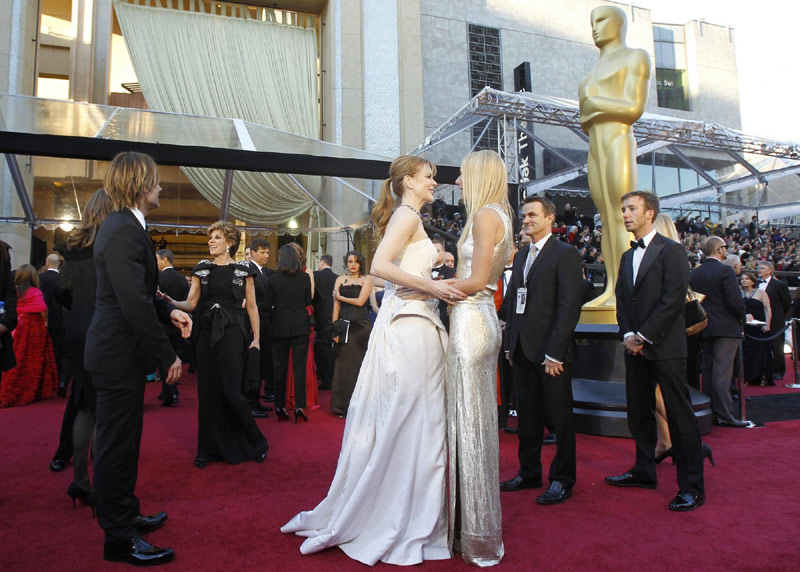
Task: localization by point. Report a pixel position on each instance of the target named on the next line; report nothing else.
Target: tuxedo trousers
(280, 359)
(641, 376)
(120, 408)
(542, 397)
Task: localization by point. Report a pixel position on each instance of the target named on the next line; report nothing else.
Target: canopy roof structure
(733, 169)
(342, 181)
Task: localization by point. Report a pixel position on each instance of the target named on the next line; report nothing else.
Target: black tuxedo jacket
(655, 305)
(171, 283)
(287, 298)
(324, 281)
(55, 313)
(8, 294)
(260, 285)
(723, 303)
(553, 303)
(779, 301)
(125, 334)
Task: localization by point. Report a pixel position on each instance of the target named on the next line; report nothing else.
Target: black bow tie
(638, 244)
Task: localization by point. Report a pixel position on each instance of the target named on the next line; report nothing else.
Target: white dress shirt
(139, 216)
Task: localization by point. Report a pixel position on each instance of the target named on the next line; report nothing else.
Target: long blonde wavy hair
(404, 165)
(484, 181)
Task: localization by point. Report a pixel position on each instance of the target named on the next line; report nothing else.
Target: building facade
(391, 71)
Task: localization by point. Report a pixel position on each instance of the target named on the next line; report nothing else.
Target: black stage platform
(598, 385)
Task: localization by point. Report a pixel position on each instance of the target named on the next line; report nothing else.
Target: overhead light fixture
(66, 226)
(292, 223)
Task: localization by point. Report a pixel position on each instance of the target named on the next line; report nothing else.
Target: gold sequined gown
(473, 447)
(387, 500)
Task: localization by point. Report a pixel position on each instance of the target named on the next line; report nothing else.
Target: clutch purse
(696, 317)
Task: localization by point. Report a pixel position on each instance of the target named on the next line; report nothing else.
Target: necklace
(412, 208)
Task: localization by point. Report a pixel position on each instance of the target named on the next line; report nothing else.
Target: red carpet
(228, 517)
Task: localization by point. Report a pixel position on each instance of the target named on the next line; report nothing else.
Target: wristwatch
(638, 340)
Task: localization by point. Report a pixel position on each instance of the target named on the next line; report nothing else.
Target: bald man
(55, 319)
(720, 340)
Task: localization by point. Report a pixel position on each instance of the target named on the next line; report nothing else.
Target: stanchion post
(740, 383)
(796, 384)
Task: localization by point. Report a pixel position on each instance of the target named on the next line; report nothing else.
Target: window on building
(484, 70)
(672, 84)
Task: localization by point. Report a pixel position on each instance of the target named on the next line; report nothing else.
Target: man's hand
(255, 344)
(174, 372)
(631, 346)
(3, 329)
(552, 368)
(182, 321)
(510, 361)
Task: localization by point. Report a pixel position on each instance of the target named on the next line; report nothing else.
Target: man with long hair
(124, 341)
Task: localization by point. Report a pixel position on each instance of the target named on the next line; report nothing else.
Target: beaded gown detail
(387, 498)
(472, 440)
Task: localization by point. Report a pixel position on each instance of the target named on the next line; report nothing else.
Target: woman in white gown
(387, 498)
(475, 340)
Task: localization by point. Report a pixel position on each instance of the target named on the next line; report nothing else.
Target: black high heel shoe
(707, 454)
(664, 455)
(78, 494)
(281, 414)
(300, 414)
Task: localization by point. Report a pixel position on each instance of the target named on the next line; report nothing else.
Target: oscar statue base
(598, 384)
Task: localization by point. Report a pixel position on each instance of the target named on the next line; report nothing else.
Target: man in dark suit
(124, 340)
(780, 302)
(544, 305)
(324, 280)
(58, 335)
(651, 295)
(720, 340)
(259, 256)
(442, 271)
(171, 283)
(55, 320)
(8, 314)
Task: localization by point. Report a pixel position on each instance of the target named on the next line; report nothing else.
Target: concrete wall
(555, 37)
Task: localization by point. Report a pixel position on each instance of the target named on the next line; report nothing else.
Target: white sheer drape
(219, 66)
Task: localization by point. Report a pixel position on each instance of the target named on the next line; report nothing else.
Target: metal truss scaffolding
(513, 111)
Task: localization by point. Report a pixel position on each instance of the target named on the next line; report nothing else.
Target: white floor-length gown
(387, 498)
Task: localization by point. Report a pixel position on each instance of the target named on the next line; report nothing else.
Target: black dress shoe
(550, 439)
(58, 465)
(555, 494)
(138, 552)
(170, 401)
(512, 430)
(259, 414)
(687, 501)
(630, 480)
(62, 389)
(145, 524)
(262, 407)
(519, 483)
(730, 422)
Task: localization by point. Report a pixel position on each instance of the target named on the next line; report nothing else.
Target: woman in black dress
(226, 429)
(756, 355)
(75, 290)
(288, 294)
(350, 304)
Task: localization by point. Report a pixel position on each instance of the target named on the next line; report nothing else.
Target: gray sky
(766, 33)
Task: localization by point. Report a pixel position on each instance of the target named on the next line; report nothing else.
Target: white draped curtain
(219, 66)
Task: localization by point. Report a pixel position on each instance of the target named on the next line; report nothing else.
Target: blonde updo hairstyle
(484, 181)
(403, 166)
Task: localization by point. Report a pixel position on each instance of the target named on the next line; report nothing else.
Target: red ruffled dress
(35, 377)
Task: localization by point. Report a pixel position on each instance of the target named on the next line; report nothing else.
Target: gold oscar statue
(612, 97)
